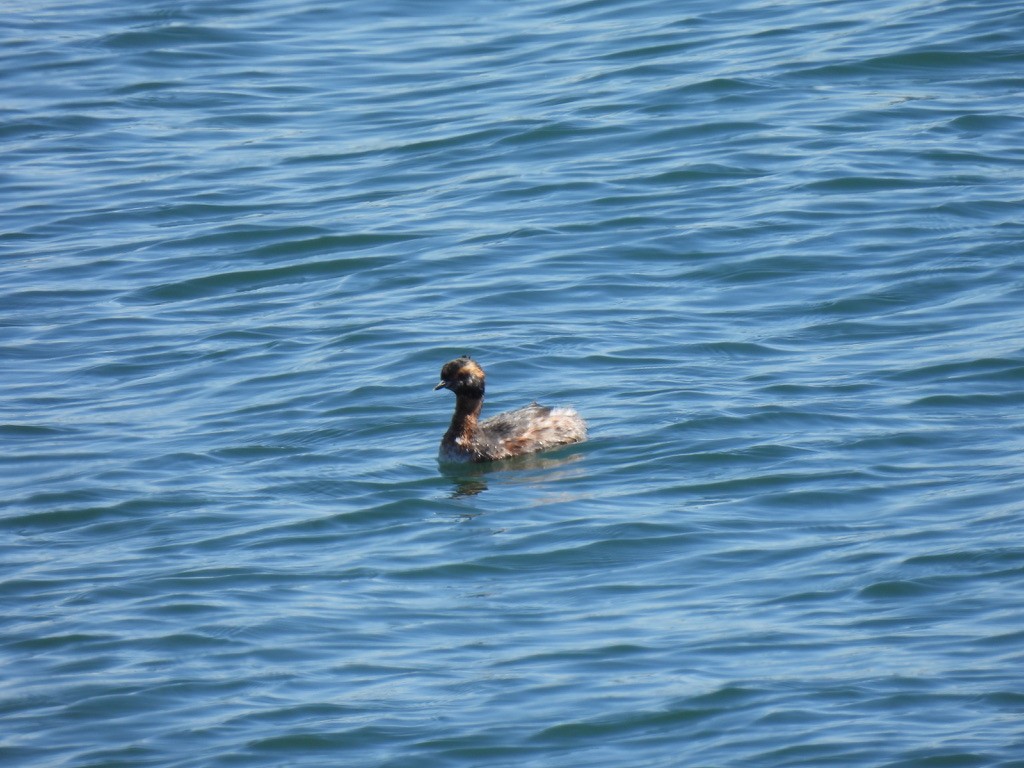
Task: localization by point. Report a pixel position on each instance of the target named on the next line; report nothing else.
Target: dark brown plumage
(513, 433)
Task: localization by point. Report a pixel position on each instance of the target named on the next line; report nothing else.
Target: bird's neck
(464, 420)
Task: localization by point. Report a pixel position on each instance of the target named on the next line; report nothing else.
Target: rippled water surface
(773, 253)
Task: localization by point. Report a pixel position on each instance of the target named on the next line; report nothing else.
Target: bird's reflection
(472, 479)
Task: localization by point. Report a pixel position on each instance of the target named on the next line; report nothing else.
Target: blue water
(771, 250)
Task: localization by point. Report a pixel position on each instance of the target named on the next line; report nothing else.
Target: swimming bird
(525, 430)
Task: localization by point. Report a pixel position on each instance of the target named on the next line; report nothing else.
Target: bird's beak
(441, 385)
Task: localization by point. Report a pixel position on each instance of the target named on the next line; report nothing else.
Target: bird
(523, 431)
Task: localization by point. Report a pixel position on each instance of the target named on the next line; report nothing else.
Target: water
(772, 251)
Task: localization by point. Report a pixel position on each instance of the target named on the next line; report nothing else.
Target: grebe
(513, 433)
